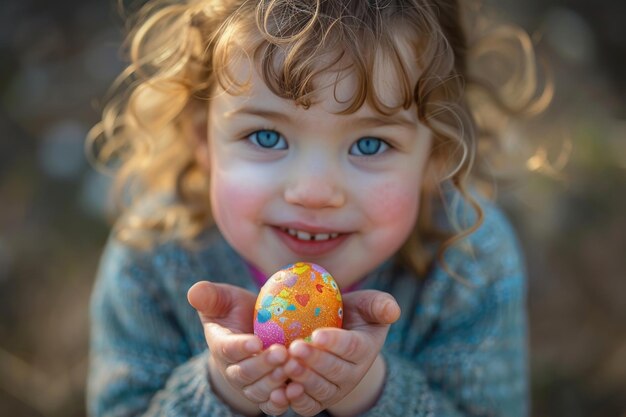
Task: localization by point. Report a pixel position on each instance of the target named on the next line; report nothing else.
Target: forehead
(326, 113)
(392, 73)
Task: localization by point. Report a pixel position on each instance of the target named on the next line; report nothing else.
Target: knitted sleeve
(464, 349)
(140, 362)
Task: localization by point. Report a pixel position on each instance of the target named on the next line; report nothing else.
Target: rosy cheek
(394, 203)
(232, 193)
(236, 202)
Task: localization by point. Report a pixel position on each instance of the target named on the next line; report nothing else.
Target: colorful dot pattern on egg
(295, 301)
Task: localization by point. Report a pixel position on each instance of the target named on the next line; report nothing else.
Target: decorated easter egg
(295, 301)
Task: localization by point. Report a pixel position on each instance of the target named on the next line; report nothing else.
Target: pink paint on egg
(269, 333)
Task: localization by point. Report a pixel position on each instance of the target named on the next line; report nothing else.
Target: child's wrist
(365, 395)
(228, 394)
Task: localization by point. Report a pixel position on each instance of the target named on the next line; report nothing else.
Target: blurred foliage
(58, 58)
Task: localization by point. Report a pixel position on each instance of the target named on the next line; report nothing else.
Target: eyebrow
(253, 111)
(380, 120)
(384, 120)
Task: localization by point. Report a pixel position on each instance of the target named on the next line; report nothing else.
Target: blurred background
(57, 59)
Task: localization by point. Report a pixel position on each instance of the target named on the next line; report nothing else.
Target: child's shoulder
(151, 249)
(496, 233)
(489, 253)
(138, 237)
(481, 273)
(173, 263)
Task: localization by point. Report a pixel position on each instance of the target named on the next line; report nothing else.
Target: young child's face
(289, 184)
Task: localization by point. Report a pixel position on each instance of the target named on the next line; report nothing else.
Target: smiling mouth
(306, 236)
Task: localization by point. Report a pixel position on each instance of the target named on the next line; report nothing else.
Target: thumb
(374, 307)
(212, 301)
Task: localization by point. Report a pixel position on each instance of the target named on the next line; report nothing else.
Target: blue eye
(268, 139)
(368, 146)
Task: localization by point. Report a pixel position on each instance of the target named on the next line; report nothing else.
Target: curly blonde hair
(179, 51)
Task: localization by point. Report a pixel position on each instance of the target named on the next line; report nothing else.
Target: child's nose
(315, 188)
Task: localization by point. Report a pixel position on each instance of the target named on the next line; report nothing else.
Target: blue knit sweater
(457, 350)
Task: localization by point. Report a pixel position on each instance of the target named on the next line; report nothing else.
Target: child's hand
(241, 373)
(325, 371)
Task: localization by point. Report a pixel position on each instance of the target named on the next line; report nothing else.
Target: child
(254, 134)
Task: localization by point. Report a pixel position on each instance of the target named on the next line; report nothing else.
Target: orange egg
(295, 301)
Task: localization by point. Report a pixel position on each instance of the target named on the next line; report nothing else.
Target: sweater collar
(260, 279)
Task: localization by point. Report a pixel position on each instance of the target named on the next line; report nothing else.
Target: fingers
(237, 356)
(250, 370)
(260, 390)
(374, 307)
(256, 377)
(229, 347)
(269, 391)
(277, 404)
(301, 402)
(334, 368)
(318, 387)
(348, 345)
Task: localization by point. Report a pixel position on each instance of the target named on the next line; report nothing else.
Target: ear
(198, 132)
(202, 155)
(435, 170)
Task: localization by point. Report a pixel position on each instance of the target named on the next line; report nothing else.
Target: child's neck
(261, 279)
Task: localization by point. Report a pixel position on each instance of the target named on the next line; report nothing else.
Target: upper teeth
(308, 236)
